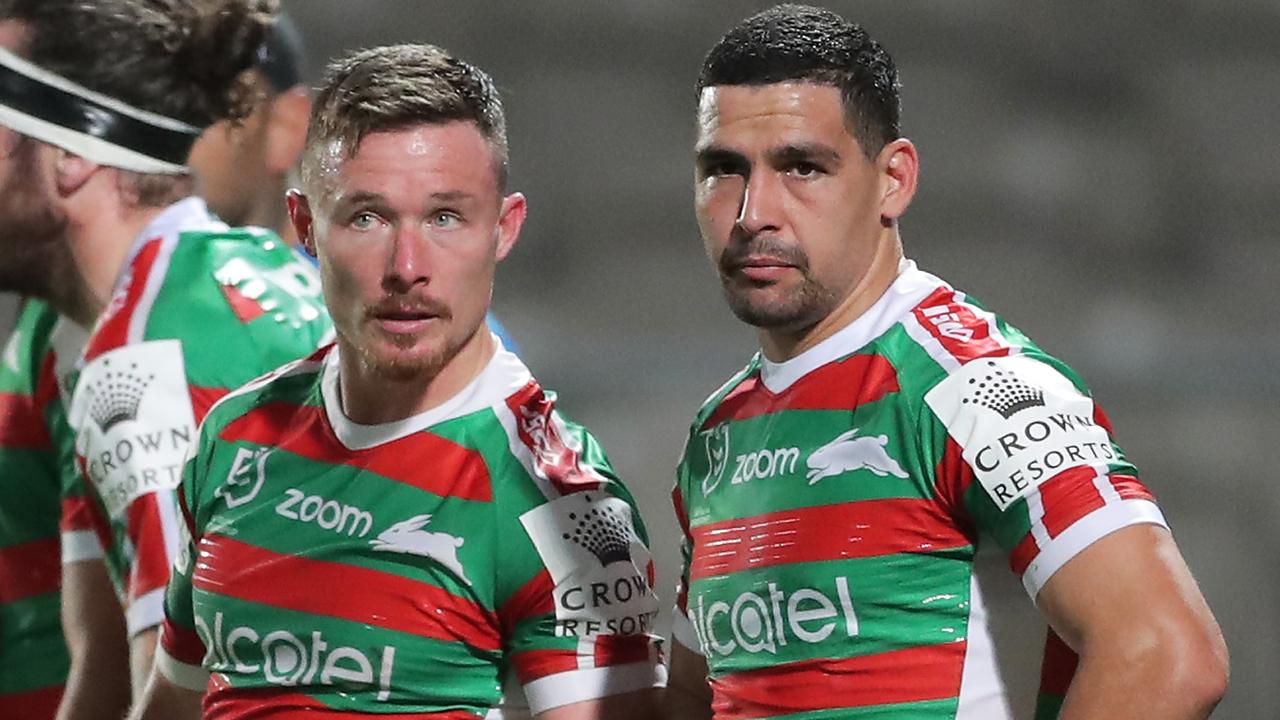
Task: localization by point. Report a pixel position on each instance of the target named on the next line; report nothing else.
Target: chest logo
(848, 452)
(409, 537)
(248, 471)
(717, 457)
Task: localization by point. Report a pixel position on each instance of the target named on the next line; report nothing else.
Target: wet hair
(809, 44)
(183, 59)
(395, 87)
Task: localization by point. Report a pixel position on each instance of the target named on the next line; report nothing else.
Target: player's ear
(898, 166)
(71, 171)
(301, 219)
(287, 129)
(510, 220)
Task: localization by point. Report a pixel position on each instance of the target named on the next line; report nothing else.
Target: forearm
(1156, 682)
(98, 679)
(142, 655)
(162, 700)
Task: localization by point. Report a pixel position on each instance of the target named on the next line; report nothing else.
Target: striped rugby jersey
(35, 445)
(847, 514)
(199, 309)
(480, 559)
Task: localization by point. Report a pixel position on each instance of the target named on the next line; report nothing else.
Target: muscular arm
(1149, 647)
(687, 697)
(98, 681)
(142, 655)
(163, 700)
(639, 705)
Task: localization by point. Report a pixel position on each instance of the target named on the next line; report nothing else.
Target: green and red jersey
(847, 513)
(34, 447)
(199, 309)
(480, 559)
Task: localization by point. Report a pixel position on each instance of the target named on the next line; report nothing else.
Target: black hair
(804, 43)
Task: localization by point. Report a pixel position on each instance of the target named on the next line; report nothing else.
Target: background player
(100, 112)
(458, 526)
(835, 493)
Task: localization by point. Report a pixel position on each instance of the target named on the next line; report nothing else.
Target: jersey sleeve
(1028, 458)
(682, 629)
(133, 421)
(576, 602)
(181, 652)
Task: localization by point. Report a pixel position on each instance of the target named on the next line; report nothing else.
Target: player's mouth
(761, 268)
(407, 318)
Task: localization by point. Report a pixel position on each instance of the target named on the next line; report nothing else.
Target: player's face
(787, 202)
(408, 233)
(33, 243)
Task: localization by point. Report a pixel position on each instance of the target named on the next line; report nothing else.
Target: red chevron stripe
(930, 672)
(864, 528)
(32, 568)
(422, 460)
(21, 424)
(39, 704)
(112, 330)
(224, 702)
(849, 383)
(350, 592)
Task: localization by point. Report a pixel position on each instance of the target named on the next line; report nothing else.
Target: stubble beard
(35, 256)
(765, 306)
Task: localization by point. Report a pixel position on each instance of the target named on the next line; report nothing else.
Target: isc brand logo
(947, 322)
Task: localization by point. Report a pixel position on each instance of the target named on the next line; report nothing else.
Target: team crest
(248, 471)
(717, 441)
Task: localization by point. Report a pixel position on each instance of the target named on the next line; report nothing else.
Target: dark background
(1105, 175)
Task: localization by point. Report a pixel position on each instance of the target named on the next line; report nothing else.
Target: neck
(370, 397)
(270, 213)
(100, 240)
(782, 345)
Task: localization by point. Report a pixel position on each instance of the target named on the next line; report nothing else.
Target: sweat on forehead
(395, 87)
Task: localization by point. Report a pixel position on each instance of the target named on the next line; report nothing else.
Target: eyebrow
(712, 154)
(806, 151)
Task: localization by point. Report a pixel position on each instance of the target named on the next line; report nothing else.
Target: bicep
(638, 705)
(1131, 584)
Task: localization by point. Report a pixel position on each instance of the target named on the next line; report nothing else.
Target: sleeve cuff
(191, 677)
(80, 545)
(1085, 532)
(575, 686)
(146, 611)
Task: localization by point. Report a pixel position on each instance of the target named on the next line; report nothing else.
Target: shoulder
(237, 294)
(269, 399)
(723, 399)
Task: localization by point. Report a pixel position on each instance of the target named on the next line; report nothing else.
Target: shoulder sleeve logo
(601, 570)
(115, 394)
(1018, 422)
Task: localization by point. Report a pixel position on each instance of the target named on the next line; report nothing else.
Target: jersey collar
(503, 375)
(911, 286)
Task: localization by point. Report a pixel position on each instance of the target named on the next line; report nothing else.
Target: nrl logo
(848, 452)
(117, 395)
(717, 457)
(248, 471)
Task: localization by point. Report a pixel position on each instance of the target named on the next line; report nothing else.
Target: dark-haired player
(847, 496)
(99, 106)
(403, 524)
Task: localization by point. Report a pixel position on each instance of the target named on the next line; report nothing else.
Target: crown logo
(117, 394)
(1003, 392)
(602, 531)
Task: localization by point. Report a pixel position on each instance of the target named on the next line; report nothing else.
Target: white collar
(910, 287)
(502, 376)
